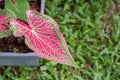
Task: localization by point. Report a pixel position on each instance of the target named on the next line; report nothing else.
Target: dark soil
(35, 4)
(13, 44)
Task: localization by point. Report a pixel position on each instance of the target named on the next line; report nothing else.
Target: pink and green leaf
(18, 27)
(44, 38)
(2, 27)
(4, 32)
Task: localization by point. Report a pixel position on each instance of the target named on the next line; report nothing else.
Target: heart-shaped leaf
(43, 36)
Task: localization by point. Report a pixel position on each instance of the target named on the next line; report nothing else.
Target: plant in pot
(41, 32)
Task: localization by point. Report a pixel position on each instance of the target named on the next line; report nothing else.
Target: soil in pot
(13, 44)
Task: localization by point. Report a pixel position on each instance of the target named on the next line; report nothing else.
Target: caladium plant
(43, 36)
(2, 23)
(4, 28)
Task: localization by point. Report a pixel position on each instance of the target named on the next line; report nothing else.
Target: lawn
(92, 31)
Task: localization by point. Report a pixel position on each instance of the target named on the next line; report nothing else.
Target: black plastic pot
(21, 59)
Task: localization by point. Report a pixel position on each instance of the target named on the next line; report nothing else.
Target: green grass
(94, 46)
